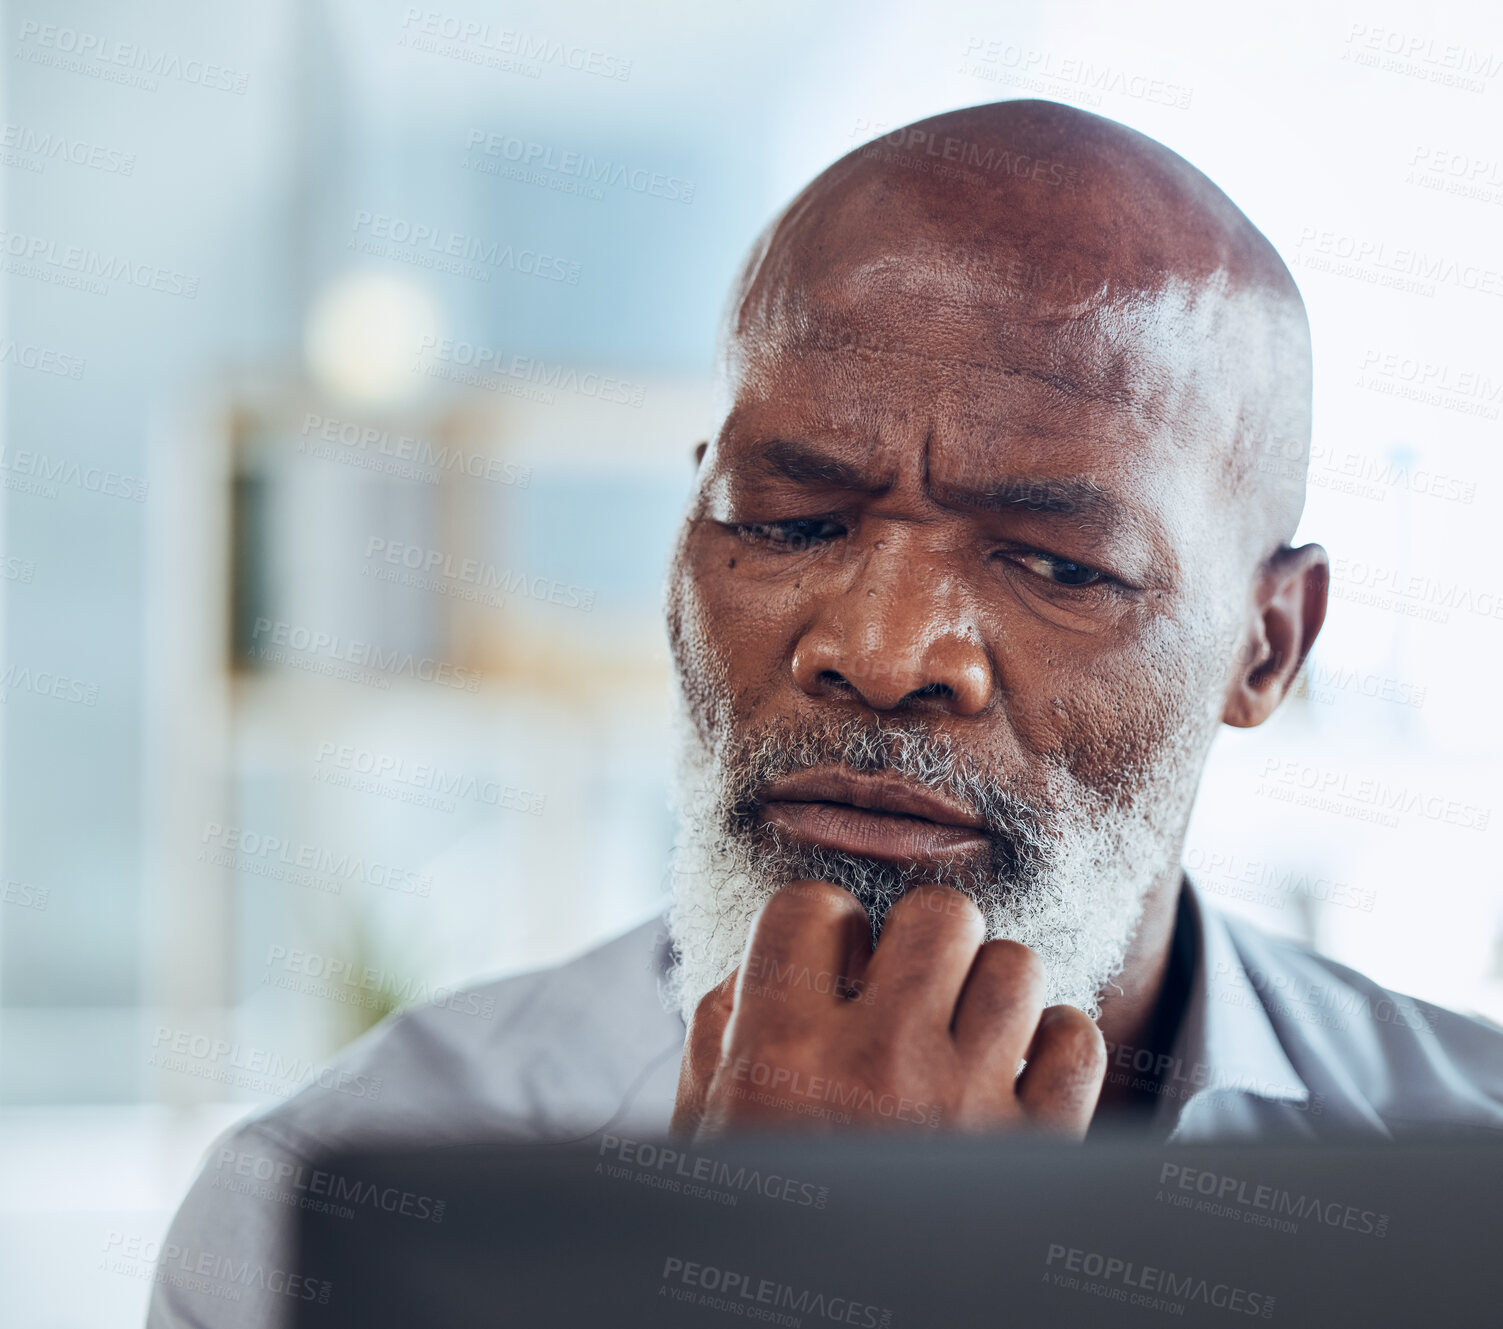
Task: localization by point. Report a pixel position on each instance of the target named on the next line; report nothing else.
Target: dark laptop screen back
(891, 1232)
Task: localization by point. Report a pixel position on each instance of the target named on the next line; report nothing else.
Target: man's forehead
(1110, 342)
(986, 395)
(1090, 419)
(1135, 323)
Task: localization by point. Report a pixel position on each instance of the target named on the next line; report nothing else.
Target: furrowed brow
(809, 466)
(1063, 497)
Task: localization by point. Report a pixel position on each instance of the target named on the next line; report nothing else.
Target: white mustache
(914, 753)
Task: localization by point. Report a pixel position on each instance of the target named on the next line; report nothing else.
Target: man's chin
(771, 859)
(1079, 926)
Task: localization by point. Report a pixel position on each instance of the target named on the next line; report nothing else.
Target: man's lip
(870, 816)
(872, 793)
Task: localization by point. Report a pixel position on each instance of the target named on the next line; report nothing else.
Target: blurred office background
(352, 355)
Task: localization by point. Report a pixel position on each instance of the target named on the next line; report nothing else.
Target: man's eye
(796, 533)
(1061, 571)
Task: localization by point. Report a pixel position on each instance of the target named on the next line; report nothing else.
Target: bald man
(993, 533)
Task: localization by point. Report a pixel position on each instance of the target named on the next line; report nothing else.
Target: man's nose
(900, 634)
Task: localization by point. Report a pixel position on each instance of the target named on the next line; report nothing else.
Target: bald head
(1043, 243)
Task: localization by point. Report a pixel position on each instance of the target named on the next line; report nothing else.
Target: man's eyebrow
(1064, 496)
(809, 466)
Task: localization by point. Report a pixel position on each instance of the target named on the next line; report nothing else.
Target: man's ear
(699, 452)
(1291, 606)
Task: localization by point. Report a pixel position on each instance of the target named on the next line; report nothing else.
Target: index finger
(807, 948)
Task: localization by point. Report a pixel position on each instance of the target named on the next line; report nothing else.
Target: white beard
(1071, 886)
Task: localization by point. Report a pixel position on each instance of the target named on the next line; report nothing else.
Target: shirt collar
(1226, 1043)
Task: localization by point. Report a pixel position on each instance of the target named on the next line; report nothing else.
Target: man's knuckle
(1076, 1038)
(800, 899)
(880, 1058)
(1017, 962)
(939, 910)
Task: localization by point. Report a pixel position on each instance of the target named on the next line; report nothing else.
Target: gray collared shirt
(1275, 1042)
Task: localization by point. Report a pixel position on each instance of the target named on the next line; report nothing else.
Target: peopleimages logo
(487, 153)
(1416, 595)
(316, 1189)
(1172, 1077)
(956, 158)
(1365, 476)
(1371, 792)
(467, 578)
(42, 359)
(36, 472)
(1376, 262)
(428, 785)
(275, 640)
(106, 59)
(258, 1069)
(765, 1299)
(504, 47)
(43, 259)
(379, 449)
(1255, 878)
(272, 856)
(1262, 1206)
(697, 1175)
(1323, 683)
(1050, 71)
(769, 1081)
(46, 683)
(34, 148)
(1329, 1003)
(25, 895)
(1452, 64)
(423, 245)
(315, 975)
(207, 1273)
(1465, 391)
(1146, 1285)
(487, 367)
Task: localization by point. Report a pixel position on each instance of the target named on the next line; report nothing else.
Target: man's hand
(817, 1031)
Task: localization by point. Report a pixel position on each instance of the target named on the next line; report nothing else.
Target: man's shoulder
(538, 1054)
(556, 1054)
(1409, 1063)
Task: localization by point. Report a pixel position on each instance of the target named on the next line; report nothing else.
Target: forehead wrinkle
(955, 468)
(865, 350)
(1150, 353)
(1093, 507)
